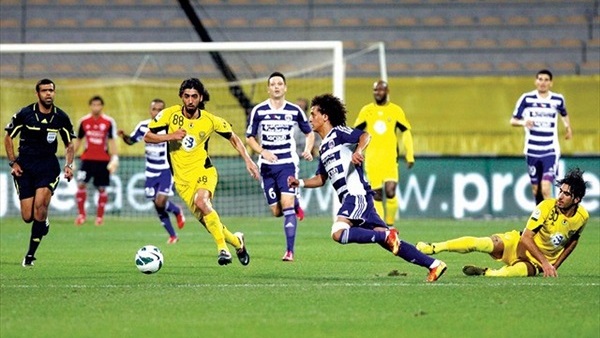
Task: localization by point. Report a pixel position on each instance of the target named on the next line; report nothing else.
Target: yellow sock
(214, 226)
(379, 209)
(519, 269)
(466, 244)
(230, 238)
(391, 207)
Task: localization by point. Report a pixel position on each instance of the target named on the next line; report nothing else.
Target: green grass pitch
(85, 284)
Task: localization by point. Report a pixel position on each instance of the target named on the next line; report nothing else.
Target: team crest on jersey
(51, 137)
(288, 117)
(331, 144)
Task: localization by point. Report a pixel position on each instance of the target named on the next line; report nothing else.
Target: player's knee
(337, 230)
(378, 195)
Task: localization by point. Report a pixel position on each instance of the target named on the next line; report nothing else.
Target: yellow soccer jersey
(553, 230)
(381, 123)
(189, 156)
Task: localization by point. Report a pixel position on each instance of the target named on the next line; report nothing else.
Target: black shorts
(38, 172)
(96, 170)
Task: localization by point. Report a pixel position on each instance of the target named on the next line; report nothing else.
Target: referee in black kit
(36, 171)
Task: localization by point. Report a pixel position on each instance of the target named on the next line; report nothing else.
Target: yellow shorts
(206, 179)
(381, 170)
(511, 249)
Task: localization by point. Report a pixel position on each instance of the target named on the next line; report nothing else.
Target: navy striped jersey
(542, 139)
(336, 164)
(156, 153)
(275, 129)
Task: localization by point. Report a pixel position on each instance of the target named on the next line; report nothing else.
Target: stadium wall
(449, 115)
(437, 187)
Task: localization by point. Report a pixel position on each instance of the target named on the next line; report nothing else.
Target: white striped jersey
(275, 130)
(156, 153)
(542, 139)
(335, 162)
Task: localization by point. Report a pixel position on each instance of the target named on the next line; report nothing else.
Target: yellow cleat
(426, 248)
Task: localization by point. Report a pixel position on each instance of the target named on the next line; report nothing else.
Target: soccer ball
(149, 259)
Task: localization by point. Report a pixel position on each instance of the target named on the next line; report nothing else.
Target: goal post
(129, 75)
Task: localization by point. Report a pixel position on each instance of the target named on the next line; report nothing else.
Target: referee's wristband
(301, 183)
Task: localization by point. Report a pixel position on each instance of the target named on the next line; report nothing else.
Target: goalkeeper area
(85, 284)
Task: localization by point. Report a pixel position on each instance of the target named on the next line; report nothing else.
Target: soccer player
(187, 130)
(36, 170)
(536, 112)
(341, 161)
(381, 119)
(159, 180)
(273, 121)
(550, 236)
(99, 158)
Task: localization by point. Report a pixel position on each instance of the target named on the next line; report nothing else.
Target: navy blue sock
(166, 222)
(409, 253)
(172, 208)
(362, 236)
(289, 226)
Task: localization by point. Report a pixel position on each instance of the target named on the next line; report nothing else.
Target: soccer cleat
(426, 248)
(393, 241)
(437, 272)
(99, 221)
(173, 240)
(471, 270)
(180, 218)
(224, 257)
(242, 253)
(28, 261)
(288, 257)
(80, 219)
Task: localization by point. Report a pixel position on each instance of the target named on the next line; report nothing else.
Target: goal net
(129, 76)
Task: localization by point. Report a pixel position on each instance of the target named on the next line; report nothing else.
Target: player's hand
(569, 133)
(68, 174)
(120, 132)
(178, 134)
(113, 164)
(409, 165)
(357, 158)
(529, 124)
(269, 156)
(549, 270)
(307, 155)
(293, 182)
(252, 169)
(16, 170)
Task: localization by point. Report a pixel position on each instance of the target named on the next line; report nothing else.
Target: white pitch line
(286, 285)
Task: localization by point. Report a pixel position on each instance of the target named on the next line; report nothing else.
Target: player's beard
(47, 103)
(191, 110)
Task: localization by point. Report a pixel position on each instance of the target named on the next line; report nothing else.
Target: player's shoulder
(582, 213)
(264, 105)
(556, 96)
(169, 111)
(29, 109)
(85, 118)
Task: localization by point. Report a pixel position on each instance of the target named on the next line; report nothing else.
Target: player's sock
(172, 208)
(362, 236)
(215, 227)
(519, 269)
(38, 230)
(391, 208)
(466, 244)
(409, 253)
(163, 215)
(379, 208)
(81, 196)
(289, 226)
(231, 238)
(102, 200)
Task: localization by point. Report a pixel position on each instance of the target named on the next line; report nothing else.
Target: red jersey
(97, 131)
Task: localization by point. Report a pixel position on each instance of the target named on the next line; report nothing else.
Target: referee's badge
(51, 137)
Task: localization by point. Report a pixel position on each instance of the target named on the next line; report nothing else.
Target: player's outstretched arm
(152, 137)
(313, 182)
